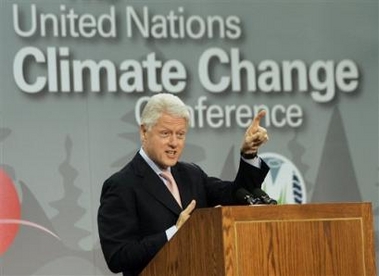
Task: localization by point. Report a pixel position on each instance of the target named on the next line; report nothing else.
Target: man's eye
(165, 134)
(181, 135)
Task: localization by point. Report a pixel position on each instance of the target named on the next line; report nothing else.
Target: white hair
(163, 103)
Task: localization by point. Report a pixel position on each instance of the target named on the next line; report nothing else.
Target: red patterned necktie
(172, 186)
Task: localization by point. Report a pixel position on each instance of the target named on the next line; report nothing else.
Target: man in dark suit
(138, 213)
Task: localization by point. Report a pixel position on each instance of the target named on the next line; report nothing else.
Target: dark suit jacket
(136, 207)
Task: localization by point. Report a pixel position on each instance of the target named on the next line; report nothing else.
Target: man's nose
(173, 140)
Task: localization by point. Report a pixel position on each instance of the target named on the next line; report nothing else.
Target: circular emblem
(284, 182)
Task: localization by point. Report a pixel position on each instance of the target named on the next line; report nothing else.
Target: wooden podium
(309, 239)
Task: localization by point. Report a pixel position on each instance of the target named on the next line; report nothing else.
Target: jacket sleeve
(251, 177)
(123, 246)
(221, 192)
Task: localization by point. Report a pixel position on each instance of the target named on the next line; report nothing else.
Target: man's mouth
(171, 153)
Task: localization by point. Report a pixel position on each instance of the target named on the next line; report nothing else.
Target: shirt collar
(151, 163)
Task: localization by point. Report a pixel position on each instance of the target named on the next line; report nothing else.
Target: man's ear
(142, 132)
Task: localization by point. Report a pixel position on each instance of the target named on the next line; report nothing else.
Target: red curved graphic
(10, 214)
(9, 209)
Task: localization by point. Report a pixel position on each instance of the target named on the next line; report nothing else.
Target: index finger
(257, 120)
(190, 207)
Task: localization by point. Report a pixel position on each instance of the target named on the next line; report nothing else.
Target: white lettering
(177, 25)
(215, 116)
(20, 66)
(220, 71)
(68, 23)
(57, 65)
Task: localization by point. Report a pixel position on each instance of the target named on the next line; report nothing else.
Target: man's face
(164, 142)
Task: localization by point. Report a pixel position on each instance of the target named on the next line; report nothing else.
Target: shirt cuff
(170, 232)
(256, 161)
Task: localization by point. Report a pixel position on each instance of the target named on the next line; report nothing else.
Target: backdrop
(75, 75)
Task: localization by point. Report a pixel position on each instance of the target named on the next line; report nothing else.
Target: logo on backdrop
(24, 226)
(284, 181)
(10, 214)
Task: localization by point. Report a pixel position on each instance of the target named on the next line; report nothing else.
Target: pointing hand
(185, 214)
(255, 135)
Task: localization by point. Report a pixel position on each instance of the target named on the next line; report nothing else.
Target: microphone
(243, 196)
(259, 193)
